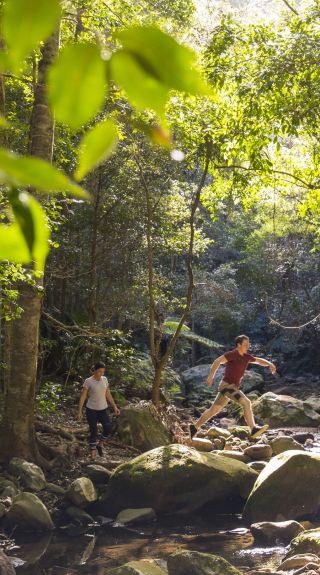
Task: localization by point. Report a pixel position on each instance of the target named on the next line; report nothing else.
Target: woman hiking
(97, 394)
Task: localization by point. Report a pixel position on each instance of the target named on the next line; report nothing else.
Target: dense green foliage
(128, 102)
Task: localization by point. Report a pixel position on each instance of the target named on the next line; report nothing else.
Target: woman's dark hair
(98, 365)
(240, 339)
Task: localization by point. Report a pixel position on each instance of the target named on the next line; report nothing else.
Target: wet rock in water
(218, 432)
(259, 451)
(186, 562)
(143, 567)
(284, 411)
(82, 492)
(29, 474)
(201, 444)
(241, 431)
(273, 531)
(287, 488)
(131, 516)
(175, 479)
(306, 542)
(302, 437)
(29, 513)
(6, 567)
(79, 516)
(238, 455)
(138, 427)
(298, 561)
(8, 488)
(284, 443)
(257, 465)
(99, 475)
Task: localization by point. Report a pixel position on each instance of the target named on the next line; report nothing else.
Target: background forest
(256, 242)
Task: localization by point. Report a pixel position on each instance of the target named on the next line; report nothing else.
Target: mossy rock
(186, 562)
(28, 513)
(287, 488)
(138, 427)
(306, 542)
(175, 479)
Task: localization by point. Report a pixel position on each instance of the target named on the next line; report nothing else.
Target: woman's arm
(83, 397)
(110, 399)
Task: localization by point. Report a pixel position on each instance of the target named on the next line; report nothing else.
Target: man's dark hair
(240, 339)
(98, 365)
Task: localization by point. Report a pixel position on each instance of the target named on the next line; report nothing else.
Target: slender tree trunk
(160, 362)
(17, 430)
(93, 294)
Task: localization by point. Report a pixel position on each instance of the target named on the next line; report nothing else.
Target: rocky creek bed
(159, 504)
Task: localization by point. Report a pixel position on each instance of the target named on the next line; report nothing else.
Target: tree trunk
(17, 398)
(160, 364)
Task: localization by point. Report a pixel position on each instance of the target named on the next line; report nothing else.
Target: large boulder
(176, 479)
(280, 491)
(284, 411)
(137, 426)
(306, 542)
(28, 513)
(29, 474)
(185, 562)
(82, 492)
(142, 567)
(6, 567)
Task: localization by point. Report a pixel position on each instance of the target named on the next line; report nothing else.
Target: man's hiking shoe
(192, 430)
(100, 450)
(257, 431)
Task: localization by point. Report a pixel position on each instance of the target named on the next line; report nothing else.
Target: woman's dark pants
(95, 416)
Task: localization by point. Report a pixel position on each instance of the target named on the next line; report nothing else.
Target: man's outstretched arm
(265, 363)
(216, 364)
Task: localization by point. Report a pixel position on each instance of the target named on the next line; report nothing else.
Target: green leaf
(13, 246)
(31, 219)
(77, 84)
(95, 146)
(163, 58)
(40, 246)
(143, 90)
(28, 171)
(25, 23)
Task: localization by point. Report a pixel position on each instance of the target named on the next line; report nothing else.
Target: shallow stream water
(98, 551)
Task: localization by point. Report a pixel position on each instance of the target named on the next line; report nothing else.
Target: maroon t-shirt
(236, 366)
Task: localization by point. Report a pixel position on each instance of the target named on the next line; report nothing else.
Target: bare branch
(291, 7)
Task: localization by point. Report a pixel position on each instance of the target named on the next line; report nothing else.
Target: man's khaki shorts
(226, 392)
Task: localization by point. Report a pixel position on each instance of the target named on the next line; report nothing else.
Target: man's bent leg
(245, 403)
(220, 401)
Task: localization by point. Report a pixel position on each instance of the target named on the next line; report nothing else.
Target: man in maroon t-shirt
(236, 362)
